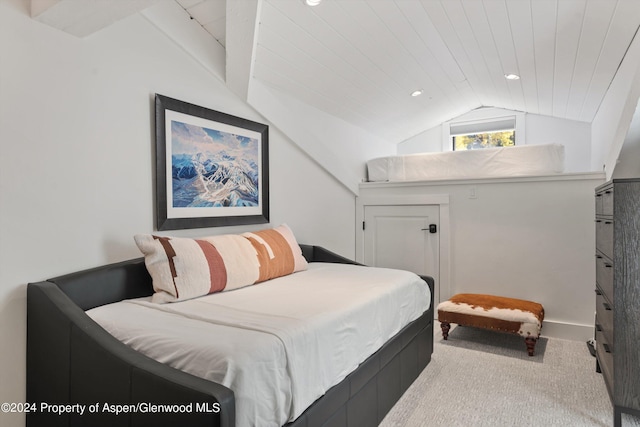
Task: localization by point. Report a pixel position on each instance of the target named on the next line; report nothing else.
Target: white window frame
(484, 119)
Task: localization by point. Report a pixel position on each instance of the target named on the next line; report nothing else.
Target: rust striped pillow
(183, 268)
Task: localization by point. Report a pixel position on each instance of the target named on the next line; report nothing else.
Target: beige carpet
(483, 378)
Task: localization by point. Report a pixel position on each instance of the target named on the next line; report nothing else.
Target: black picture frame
(212, 168)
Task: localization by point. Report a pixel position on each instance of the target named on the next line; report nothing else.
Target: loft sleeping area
(484, 143)
(527, 160)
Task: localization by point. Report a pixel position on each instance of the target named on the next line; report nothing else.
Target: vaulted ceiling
(360, 60)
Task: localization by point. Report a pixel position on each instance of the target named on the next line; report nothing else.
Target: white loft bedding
(531, 160)
(278, 345)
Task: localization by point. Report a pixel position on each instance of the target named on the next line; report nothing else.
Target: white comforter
(281, 344)
(524, 160)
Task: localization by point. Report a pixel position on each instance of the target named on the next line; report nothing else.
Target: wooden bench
(493, 312)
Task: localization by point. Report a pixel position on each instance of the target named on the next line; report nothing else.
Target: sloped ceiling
(361, 59)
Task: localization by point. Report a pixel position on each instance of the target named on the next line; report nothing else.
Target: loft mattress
(278, 345)
(526, 160)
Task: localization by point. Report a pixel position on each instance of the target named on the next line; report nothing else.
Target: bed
(525, 160)
(74, 364)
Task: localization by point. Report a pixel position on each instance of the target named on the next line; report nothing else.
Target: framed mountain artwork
(212, 168)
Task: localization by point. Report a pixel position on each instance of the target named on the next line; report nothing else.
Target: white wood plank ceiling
(361, 59)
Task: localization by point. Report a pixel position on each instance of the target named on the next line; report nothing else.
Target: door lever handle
(433, 228)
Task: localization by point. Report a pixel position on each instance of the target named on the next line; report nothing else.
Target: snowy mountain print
(211, 168)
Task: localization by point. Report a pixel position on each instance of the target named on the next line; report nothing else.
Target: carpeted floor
(483, 378)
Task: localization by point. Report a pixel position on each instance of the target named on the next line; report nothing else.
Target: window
(483, 134)
(484, 140)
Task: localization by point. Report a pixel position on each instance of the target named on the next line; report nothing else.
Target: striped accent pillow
(183, 268)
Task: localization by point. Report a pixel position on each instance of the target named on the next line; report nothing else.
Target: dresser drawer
(607, 202)
(599, 204)
(604, 317)
(604, 236)
(604, 352)
(604, 275)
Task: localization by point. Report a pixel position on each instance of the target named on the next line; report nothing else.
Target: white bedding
(278, 345)
(544, 159)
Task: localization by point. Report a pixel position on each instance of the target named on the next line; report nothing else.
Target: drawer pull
(599, 256)
(608, 192)
(598, 292)
(608, 222)
(598, 327)
(606, 306)
(606, 347)
(608, 265)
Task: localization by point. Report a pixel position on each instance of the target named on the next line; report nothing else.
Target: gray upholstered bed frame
(72, 360)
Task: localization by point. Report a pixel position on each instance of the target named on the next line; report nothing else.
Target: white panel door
(400, 237)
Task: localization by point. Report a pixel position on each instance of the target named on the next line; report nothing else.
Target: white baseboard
(567, 331)
(553, 329)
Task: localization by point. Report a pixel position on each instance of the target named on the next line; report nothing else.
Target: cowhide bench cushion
(493, 312)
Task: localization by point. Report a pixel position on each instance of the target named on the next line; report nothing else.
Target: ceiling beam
(174, 21)
(241, 39)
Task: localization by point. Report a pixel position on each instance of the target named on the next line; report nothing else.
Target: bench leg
(445, 326)
(531, 344)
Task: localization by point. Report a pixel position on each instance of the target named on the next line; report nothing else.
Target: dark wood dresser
(618, 293)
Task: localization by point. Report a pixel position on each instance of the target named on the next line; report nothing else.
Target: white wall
(429, 141)
(611, 123)
(76, 134)
(528, 238)
(628, 165)
(574, 135)
(340, 147)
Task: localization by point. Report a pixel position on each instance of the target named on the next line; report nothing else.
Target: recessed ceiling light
(312, 2)
(511, 76)
(417, 92)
